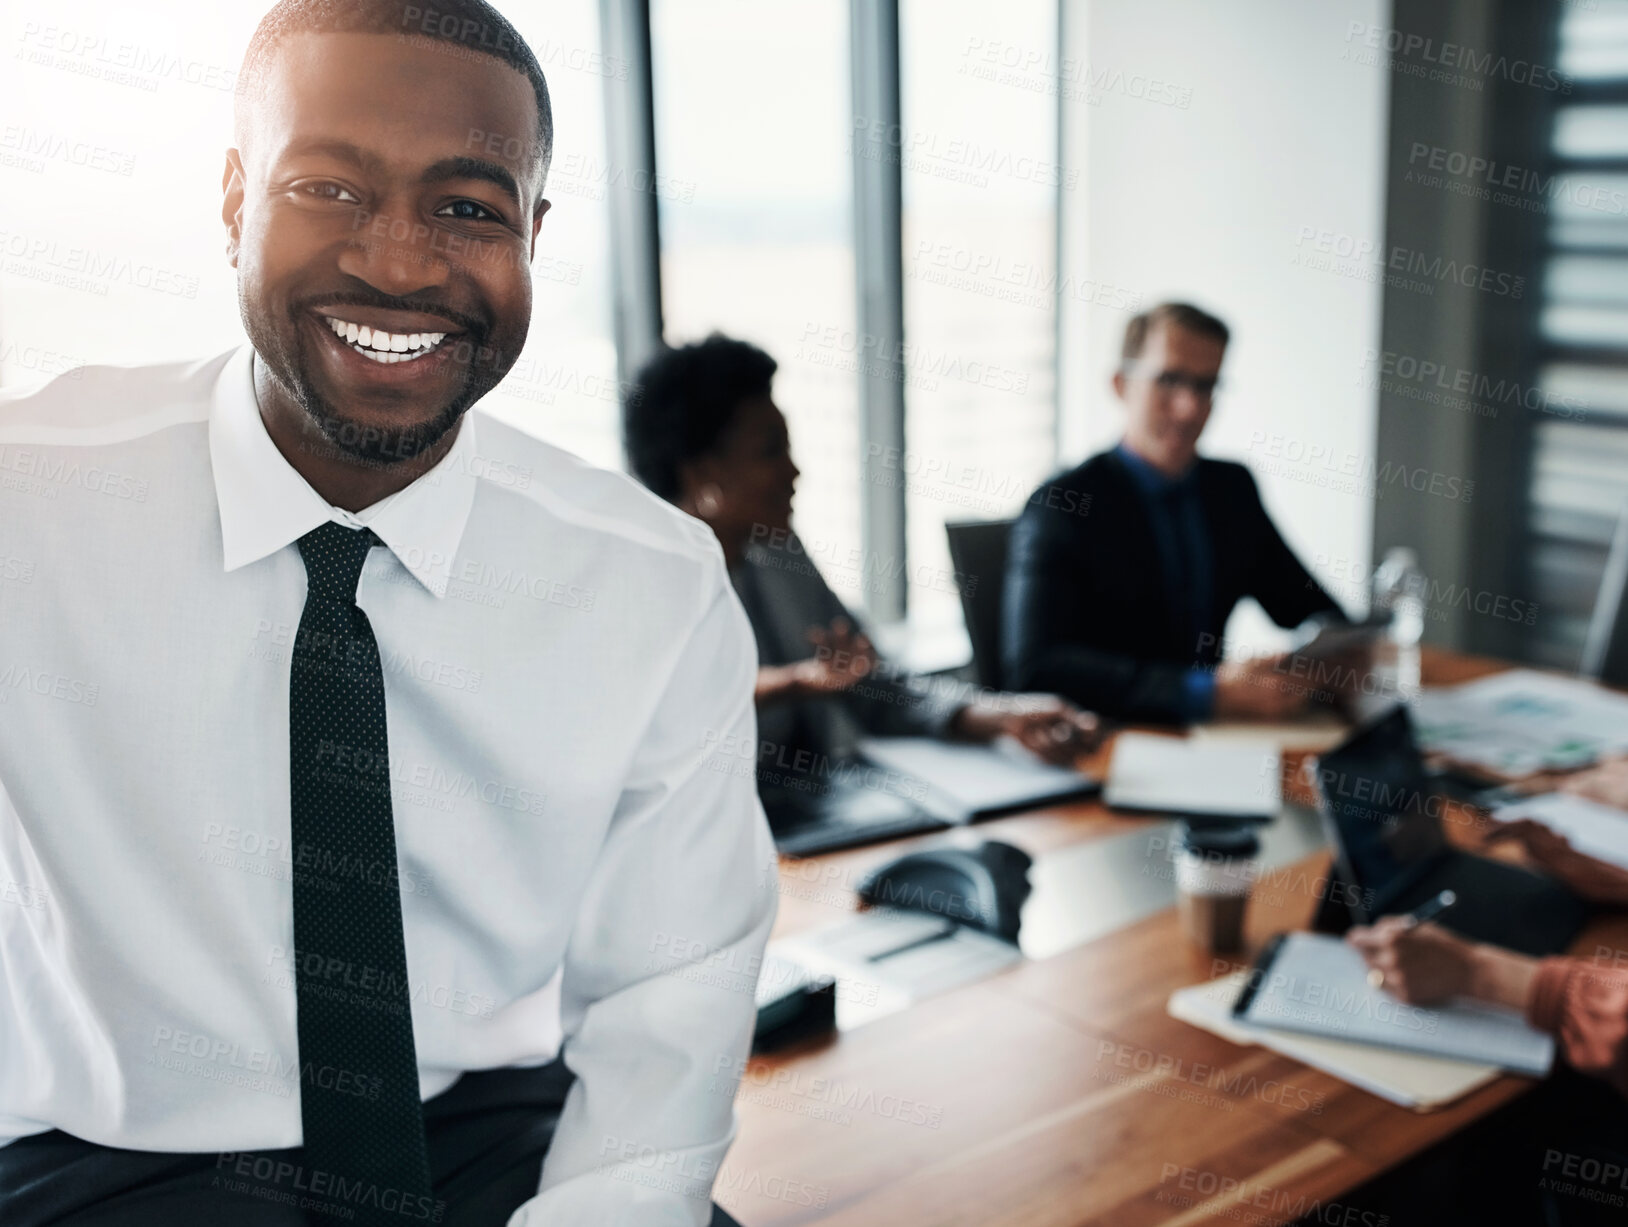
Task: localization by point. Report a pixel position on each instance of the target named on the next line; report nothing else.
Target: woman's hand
(1421, 963)
(1594, 880)
(1425, 964)
(842, 657)
(1606, 783)
(1047, 726)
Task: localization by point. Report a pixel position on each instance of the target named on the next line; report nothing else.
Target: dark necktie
(1191, 593)
(359, 1096)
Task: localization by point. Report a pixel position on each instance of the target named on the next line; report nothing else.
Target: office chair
(978, 554)
(1605, 650)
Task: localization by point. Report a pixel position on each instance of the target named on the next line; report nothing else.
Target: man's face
(1167, 392)
(386, 191)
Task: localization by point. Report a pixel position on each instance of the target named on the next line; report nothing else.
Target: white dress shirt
(582, 870)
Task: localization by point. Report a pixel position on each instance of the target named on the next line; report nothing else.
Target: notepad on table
(1596, 830)
(961, 782)
(1520, 721)
(1172, 775)
(1409, 1079)
(1318, 985)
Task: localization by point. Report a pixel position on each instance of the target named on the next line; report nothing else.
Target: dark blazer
(1086, 613)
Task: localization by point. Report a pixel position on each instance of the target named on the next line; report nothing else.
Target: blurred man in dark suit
(1124, 570)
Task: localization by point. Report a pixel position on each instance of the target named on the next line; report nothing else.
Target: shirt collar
(1153, 481)
(265, 504)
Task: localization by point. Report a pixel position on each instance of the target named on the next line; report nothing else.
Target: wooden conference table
(1059, 1093)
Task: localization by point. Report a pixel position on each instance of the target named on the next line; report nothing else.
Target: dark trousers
(487, 1135)
(1556, 1158)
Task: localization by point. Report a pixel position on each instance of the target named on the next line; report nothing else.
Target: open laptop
(1383, 816)
(897, 786)
(840, 807)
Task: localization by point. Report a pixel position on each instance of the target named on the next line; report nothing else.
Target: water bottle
(1399, 596)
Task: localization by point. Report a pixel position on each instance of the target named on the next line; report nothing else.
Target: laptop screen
(1377, 801)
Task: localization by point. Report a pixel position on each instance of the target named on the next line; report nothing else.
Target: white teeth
(385, 346)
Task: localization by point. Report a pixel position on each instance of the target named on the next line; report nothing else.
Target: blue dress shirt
(1186, 560)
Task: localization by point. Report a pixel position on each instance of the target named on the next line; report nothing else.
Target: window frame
(874, 57)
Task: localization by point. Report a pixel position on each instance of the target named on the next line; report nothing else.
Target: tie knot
(333, 557)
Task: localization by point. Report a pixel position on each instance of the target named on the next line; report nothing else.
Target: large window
(116, 124)
(564, 387)
(979, 95)
(755, 195)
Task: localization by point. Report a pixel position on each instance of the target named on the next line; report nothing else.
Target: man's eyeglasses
(1170, 382)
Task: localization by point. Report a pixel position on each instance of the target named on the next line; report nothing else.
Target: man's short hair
(471, 24)
(685, 402)
(1172, 315)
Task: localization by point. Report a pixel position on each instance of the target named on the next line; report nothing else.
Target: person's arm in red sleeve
(1583, 1005)
(1586, 1008)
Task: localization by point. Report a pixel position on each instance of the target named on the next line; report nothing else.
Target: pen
(1428, 910)
(1431, 908)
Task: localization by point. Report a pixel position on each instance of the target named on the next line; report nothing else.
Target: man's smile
(385, 346)
(372, 339)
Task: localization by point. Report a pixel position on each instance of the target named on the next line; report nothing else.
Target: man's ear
(690, 479)
(543, 206)
(232, 185)
(1119, 384)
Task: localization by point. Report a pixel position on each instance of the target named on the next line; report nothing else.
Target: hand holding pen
(1413, 959)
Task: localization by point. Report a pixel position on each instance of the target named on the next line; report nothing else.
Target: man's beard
(374, 446)
(370, 446)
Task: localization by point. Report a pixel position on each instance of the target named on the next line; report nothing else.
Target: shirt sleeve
(1198, 695)
(1586, 1008)
(657, 993)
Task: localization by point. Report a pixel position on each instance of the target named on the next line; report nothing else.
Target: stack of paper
(1596, 830)
(1318, 985)
(1520, 722)
(1172, 775)
(962, 782)
(885, 959)
(1405, 1078)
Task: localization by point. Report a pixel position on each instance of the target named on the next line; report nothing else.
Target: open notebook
(1318, 985)
(1174, 775)
(1414, 1081)
(962, 782)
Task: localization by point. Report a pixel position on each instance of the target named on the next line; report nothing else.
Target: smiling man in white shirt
(359, 815)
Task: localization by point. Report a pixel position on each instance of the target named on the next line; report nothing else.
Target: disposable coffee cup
(1216, 869)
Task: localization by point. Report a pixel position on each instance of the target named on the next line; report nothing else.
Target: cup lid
(1223, 841)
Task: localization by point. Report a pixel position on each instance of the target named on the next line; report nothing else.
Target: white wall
(1209, 135)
